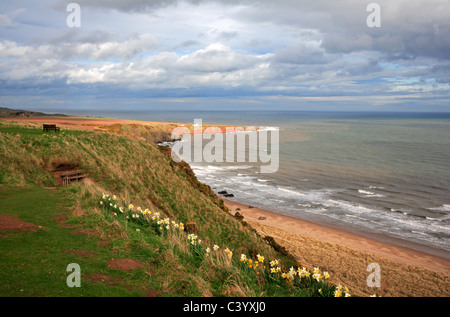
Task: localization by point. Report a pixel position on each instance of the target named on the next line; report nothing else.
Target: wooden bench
(72, 176)
(50, 127)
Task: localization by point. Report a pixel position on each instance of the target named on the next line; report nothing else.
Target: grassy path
(34, 256)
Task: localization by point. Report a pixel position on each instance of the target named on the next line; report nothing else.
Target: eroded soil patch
(82, 253)
(124, 264)
(86, 232)
(103, 279)
(14, 223)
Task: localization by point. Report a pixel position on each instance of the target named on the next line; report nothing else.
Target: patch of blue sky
(10, 59)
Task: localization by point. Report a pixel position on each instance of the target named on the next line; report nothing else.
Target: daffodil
(303, 272)
(291, 273)
(317, 277)
(338, 291)
(228, 251)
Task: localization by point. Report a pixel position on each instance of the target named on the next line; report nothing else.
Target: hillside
(8, 112)
(125, 251)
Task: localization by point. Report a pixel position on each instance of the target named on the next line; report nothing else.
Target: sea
(384, 175)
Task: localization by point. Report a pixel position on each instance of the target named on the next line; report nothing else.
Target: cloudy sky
(233, 54)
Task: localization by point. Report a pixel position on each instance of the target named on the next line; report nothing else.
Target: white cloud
(9, 49)
(7, 19)
(216, 58)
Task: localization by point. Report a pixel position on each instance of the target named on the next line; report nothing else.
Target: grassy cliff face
(133, 169)
(137, 173)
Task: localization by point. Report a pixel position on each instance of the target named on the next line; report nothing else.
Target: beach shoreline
(347, 255)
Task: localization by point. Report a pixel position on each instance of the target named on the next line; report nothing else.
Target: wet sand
(345, 255)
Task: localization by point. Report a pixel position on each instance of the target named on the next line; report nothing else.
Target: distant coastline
(8, 112)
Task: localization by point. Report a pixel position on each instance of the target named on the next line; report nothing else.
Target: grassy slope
(34, 263)
(137, 171)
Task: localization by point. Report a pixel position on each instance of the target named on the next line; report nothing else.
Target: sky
(225, 55)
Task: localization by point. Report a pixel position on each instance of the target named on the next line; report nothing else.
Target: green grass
(34, 263)
(36, 131)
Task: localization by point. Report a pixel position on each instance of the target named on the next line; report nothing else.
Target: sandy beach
(404, 271)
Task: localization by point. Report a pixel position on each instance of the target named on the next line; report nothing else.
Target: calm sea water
(378, 174)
